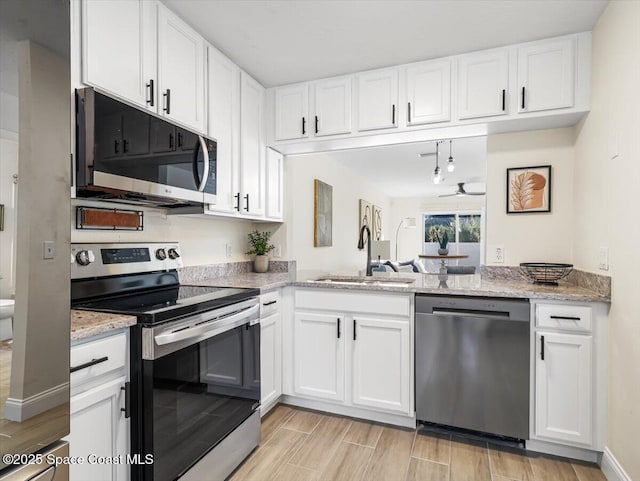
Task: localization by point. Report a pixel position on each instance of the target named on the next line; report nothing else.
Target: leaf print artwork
(529, 189)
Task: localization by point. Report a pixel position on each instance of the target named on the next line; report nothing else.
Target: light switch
(49, 250)
(228, 251)
(603, 258)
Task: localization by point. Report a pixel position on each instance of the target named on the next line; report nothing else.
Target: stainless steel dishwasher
(472, 364)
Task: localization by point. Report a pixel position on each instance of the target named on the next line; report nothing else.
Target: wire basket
(546, 272)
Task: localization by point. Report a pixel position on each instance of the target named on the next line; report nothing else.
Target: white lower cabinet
(564, 386)
(100, 430)
(99, 426)
(319, 346)
(570, 374)
(380, 368)
(270, 360)
(354, 351)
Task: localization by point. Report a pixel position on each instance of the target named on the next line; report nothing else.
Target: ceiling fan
(460, 192)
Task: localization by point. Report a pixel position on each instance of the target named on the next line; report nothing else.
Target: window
(464, 230)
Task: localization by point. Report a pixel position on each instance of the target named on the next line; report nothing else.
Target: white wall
(545, 237)
(606, 211)
(348, 188)
(410, 240)
(203, 240)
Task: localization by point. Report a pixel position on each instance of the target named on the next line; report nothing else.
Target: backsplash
(224, 269)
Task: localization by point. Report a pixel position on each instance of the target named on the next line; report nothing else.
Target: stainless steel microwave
(127, 155)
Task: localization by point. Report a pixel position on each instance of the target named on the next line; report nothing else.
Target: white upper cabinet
(119, 49)
(563, 387)
(275, 185)
(224, 126)
(292, 112)
(429, 92)
(483, 79)
(180, 70)
(378, 100)
(332, 106)
(251, 146)
(546, 73)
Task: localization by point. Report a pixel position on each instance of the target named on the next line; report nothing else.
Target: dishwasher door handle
(478, 314)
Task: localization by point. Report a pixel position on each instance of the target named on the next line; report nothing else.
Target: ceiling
(399, 171)
(285, 41)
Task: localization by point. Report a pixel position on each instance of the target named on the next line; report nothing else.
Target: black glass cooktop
(168, 303)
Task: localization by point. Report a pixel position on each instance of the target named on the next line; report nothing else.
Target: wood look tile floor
(302, 445)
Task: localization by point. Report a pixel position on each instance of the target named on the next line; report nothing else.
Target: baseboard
(611, 468)
(564, 451)
(19, 410)
(393, 419)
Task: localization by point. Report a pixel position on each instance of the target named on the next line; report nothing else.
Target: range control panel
(98, 260)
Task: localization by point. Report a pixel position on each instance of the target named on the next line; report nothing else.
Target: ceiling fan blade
(448, 195)
(476, 193)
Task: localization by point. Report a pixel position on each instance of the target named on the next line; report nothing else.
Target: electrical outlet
(277, 252)
(48, 250)
(603, 258)
(497, 254)
(228, 251)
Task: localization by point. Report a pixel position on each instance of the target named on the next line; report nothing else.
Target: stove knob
(173, 253)
(84, 257)
(161, 254)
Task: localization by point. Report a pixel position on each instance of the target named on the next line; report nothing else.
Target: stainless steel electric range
(194, 394)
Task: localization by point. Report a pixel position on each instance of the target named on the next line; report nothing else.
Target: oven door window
(200, 394)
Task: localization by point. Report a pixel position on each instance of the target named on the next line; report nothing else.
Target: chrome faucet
(361, 246)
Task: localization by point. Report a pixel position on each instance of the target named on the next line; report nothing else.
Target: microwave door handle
(205, 153)
(194, 163)
(208, 329)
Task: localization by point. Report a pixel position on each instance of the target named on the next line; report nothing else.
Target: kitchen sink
(374, 281)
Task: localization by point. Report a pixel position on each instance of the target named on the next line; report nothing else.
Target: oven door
(202, 382)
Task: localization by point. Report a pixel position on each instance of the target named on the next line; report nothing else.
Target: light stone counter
(85, 324)
(462, 285)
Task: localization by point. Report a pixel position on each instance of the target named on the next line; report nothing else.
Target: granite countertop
(464, 285)
(85, 324)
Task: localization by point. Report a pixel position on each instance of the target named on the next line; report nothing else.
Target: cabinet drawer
(94, 358)
(361, 302)
(269, 303)
(566, 317)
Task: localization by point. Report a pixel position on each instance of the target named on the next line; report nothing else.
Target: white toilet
(6, 317)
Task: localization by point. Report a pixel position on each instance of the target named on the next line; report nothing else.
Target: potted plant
(440, 235)
(259, 242)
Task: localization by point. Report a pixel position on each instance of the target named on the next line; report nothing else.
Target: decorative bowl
(548, 273)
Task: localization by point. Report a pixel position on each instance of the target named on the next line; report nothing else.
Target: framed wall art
(322, 214)
(529, 189)
(366, 215)
(376, 232)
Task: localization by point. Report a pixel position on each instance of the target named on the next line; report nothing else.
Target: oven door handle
(208, 329)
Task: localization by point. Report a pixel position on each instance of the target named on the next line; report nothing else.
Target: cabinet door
(319, 355)
(119, 48)
(292, 112)
(99, 428)
(381, 363)
(251, 146)
(378, 100)
(546, 75)
(564, 387)
(275, 185)
(224, 126)
(180, 71)
(482, 84)
(429, 92)
(332, 107)
(270, 359)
